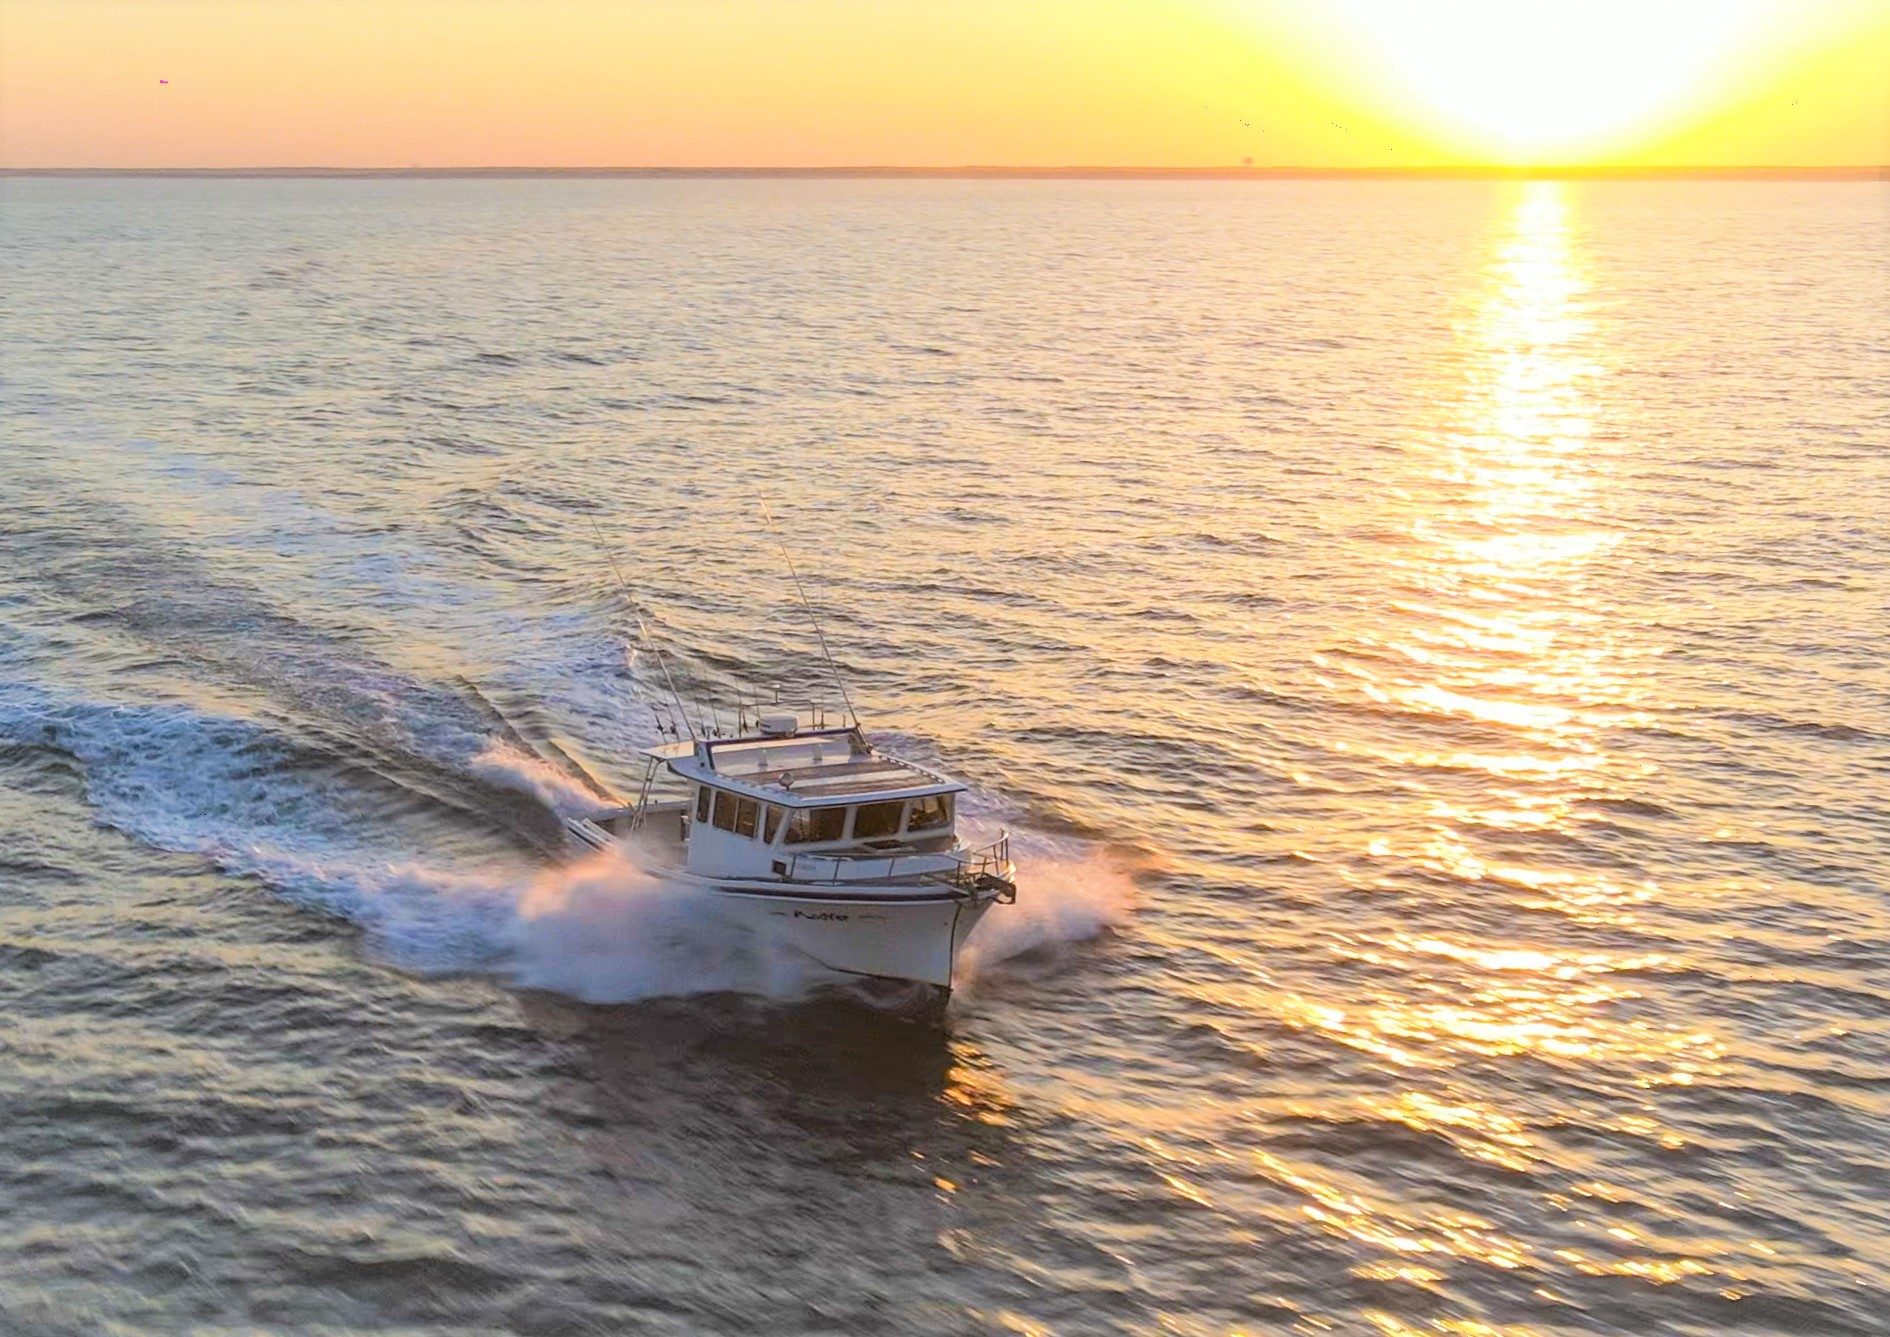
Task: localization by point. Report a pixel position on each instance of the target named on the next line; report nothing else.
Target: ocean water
(1428, 641)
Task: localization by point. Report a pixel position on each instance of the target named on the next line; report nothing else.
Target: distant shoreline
(975, 173)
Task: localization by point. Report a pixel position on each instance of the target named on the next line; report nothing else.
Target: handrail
(968, 865)
(987, 869)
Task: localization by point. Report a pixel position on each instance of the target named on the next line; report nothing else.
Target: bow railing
(981, 869)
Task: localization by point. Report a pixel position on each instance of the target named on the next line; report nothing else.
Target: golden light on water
(1499, 632)
(1508, 526)
(1503, 561)
(1496, 628)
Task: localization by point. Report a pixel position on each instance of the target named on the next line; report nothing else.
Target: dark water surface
(1429, 639)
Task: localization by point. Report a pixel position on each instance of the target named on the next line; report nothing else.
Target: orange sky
(443, 83)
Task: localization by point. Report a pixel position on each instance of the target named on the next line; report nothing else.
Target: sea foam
(602, 929)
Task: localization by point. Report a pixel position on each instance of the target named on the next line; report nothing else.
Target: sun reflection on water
(1492, 678)
(1492, 632)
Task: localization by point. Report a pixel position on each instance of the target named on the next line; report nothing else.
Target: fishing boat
(819, 841)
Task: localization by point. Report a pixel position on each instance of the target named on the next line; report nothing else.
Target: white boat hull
(887, 936)
(904, 931)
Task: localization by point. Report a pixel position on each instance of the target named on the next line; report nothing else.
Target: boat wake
(1064, 897)
(605, 930)
(602, 930)
(330, 834)
(507, 766)
(421, 809)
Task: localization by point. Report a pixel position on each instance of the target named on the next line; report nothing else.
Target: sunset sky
(1332, 83)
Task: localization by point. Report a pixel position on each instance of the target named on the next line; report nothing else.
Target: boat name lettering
(834, 915)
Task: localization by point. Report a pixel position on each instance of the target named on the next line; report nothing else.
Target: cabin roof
(809, 769)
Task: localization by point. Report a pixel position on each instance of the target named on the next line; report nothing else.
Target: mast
(643, 631)
(819, 634)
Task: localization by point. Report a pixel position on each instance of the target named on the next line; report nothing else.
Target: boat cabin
(814, 805)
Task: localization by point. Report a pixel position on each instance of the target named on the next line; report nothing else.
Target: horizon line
(1728, 172)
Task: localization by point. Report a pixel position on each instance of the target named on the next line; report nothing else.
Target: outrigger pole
(826, 654)
(642, 629)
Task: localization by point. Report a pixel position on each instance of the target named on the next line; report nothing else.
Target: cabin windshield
(875, 821)
(931, 813)
(926, 817)
(808, 826)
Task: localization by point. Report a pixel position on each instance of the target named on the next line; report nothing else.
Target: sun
(1543, 80)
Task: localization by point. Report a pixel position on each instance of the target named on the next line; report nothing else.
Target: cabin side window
(930, 813)
(808, 826)
(728, 812)
(875, 820)
(770, 822)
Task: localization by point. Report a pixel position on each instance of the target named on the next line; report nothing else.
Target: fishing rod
(643, 630)
(826, 654)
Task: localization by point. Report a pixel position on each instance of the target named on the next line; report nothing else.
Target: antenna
(826, 654)
(642, 629)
